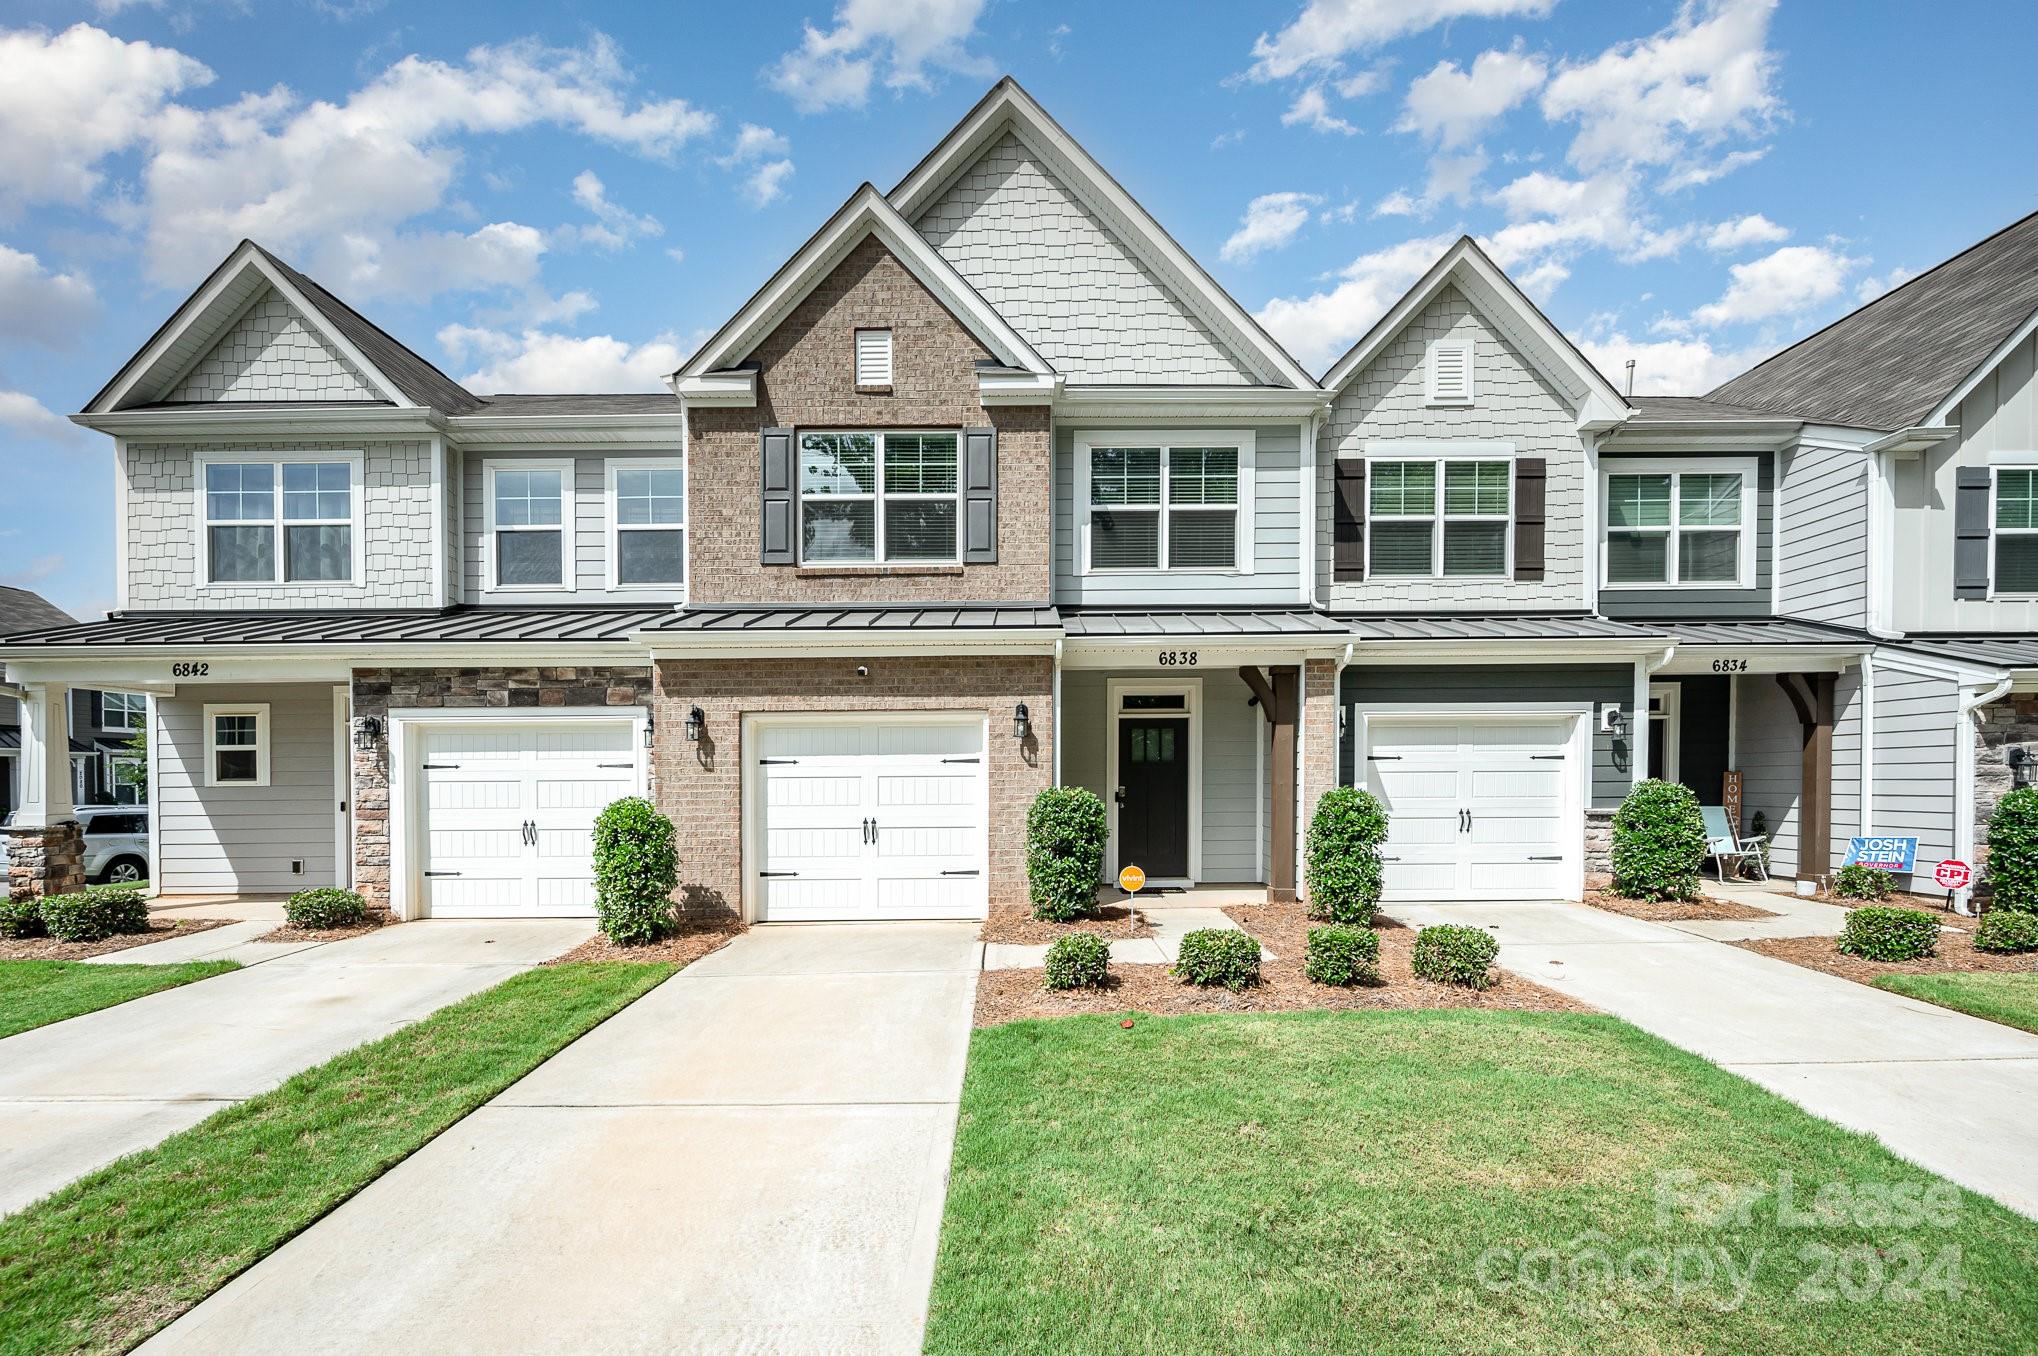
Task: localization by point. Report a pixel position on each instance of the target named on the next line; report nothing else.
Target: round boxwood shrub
(1219, 956)
(1881, 933)
(636, 869)
(2007, 930)
(1342, 955)
(325, 908)
(1862, 882)
(21, 918)
(1065, 832)
(2012, 866)
(1342, 866)
(1080, 960)
(1658, 842)
(1450, 954)
(94, 916)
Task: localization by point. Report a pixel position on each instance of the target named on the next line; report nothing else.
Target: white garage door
(508, 815)
(1477, 809)
(869, 818)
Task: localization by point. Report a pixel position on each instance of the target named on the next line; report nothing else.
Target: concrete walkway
(753, 1157)
(75, 1095)
(1950, 1092)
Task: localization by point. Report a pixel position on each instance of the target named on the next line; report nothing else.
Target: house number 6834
(198, 670)
(1178, 659)
(1730, 666)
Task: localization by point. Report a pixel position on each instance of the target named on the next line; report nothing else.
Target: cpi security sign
(1883, 854)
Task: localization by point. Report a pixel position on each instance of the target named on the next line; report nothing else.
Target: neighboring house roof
(477, 625)
(1687, 409)
(10, 742)
(1894, 362)
(21, 610)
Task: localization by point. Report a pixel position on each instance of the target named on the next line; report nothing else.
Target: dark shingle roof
(21, 610)
(626, 402)
(1682, 409)
(1887, 365)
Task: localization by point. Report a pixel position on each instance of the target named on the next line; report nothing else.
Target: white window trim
(139, 714)
(356, 493)
(1166, 440)
(1997, 465)
(116, 787)
(565, 468)
(1429, 372)
(260, 711)
(1666, 704)
(616, 527)
(856, 357)
(1439, 453)
(877, 501)
(1676, 468)
(1191, 692)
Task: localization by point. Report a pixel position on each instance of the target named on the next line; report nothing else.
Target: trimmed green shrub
(2012, 867)
(636, 869)
(1065, 831)
(1881, 933)
(1342, 866)
(1862, 882)
(325, 908)
(1219, 956)
(1080, 960)
(94, 917)
(1342, 955)
(1450, 954)
(1658, 842)
(21, 918)
(2007, 930)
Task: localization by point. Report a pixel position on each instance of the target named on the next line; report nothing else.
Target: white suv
(116, 842)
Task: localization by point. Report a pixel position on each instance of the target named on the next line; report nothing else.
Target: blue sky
(567, 196)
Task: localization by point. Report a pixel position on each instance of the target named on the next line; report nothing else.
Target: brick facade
(47, 861)
(807, 379)
(1319, 740)
(700, 785)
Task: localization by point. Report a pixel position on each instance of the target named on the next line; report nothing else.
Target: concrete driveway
(753, 1158)
(1950, 1092)
(76, 1095)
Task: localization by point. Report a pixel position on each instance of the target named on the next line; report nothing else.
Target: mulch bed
(1017, 925)
(289, 932)
(684, 947)
(1956, 954)
(1673, 910)
(1015, 995)
(160, 930)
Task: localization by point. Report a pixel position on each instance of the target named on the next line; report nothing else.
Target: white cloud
(1312, 110)
(834, 69)
(615, 225)
(1319, 327)
(41, 307)
(1328, 31)
(766, 183)
(540, 362)
(1399, 203)
(1785, 282)
(1451, 177)
(35, 572)
(1361, 83)
(23, 416)
(70, 100)
(767, 154)
(1451, 107)
(502, 254)
(1551, 219)
(1741, 232)
(1653, 100)
(1668, 366)
(755, 143)
(1699, 172)
(1868, 289)
(1271, 221)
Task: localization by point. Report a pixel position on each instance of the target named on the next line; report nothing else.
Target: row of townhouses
(104, 765)
(990, 488)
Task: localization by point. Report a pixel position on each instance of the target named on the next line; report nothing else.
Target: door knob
(1119, 795)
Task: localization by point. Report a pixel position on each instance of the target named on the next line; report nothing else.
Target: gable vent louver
(1450, 374)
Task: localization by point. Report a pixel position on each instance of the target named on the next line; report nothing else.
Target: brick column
(1319, 739)
(46, 846)
(46, 861)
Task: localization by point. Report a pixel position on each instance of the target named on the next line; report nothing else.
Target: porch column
(46, 848)
(1279, 693)
(1319, 740)
(1815, 780)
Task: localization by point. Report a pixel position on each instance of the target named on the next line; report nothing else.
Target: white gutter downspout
(1963, 787)
(1638, 724)
(1867, 709)
(1337, 697)
(1056, 703)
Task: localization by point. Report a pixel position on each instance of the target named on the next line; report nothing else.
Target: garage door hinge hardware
(768, 762)
(1383, 757)
(961, 760)
(971, 872)
(442, 873)
(778, 873)
(440, 767)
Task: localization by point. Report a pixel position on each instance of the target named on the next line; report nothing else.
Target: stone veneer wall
(1598, 849)
(378, 691)
(48, 861)
(2002, 724)
(700, 785)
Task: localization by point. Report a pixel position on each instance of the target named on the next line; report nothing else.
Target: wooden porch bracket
(1279, 691)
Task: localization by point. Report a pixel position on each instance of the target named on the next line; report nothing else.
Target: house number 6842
(198, 670)
(1178, 659)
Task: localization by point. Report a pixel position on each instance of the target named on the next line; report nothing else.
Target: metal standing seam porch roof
(1501, 626)
(738, 621)
(480, 625)
(2013, 651)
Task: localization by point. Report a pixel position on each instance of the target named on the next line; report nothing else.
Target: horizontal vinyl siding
(1846, 818)
(587, 545)
(244, 837)
(1822, 537)
(1277, 535)
(1917, 743)
(1668, 603)
(1771, 756)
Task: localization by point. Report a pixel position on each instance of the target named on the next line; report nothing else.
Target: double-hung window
(1164, 505)
(2016, 531)
(647, 524)
(529, 507)
(237, 745)
(1679, 526)
(122, 710)
(878, 497)
(288, 522)
(1438, 517)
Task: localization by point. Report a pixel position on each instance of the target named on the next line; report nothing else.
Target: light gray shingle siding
(1065, 280)
(270, 353)
(1822, 535)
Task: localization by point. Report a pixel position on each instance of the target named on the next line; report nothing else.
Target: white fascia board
(1907, 442)
(1222, 653)
(222, 421)
(1018, 388)
(1691, 659)
(1701, 435)
(1008, 104)
(146, 668)
(1189, 402)
(780, 644)
(724, 390)
(552, 431)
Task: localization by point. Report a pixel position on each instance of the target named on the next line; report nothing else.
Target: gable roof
(399, 375)
(1900, 360)
(21, 610)
(865, 214)
(1009, 107)
(1506, 307)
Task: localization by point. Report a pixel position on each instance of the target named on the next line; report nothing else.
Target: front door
(1153, 796)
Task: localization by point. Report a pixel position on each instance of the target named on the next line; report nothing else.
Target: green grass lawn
(106, 1261)
(37, 992)
(1387, 1182)
(2009, 997)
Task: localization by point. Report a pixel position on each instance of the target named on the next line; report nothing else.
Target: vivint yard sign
(1883, 854)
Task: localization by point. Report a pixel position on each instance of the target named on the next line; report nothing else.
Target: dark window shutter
(1970, 532)
(776, 527)
(980, 496)
(1348, 519)
(1531, 476)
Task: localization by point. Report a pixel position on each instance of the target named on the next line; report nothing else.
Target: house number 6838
(1182, 659)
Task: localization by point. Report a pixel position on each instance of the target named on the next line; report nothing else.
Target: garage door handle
(440, 767)
(1546, 757)
(769, 874)
(866, 832)
(771, 762)
(1558, 858)
(971, 872)
(1383, 757)
(962, 760)
(615, 765)
(442, 873)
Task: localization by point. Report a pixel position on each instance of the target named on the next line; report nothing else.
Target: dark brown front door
(1153, 796)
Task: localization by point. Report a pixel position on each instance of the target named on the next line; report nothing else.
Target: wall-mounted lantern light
(367, 733)
(650, 723)
(695, 720)
(2021, 765)
(1022, 721)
